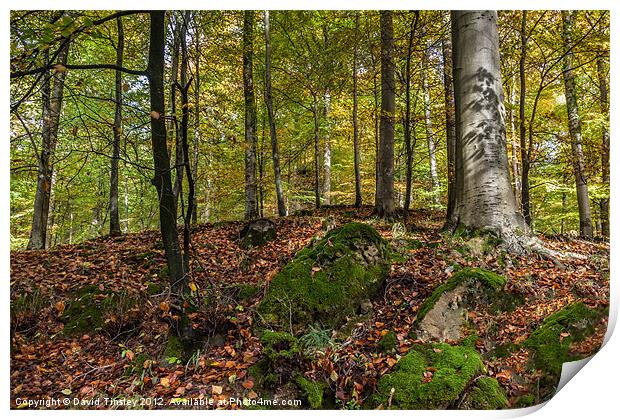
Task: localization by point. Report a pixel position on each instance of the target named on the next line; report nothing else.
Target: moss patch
(388, 343)
(449, 368)
(549, 342)
(311, 390)
(327, 281)
(485, 394)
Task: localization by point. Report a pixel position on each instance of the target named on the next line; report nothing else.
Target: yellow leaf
(216, 389)
(192, 286)
(66, 391)
(165, 382)
(333, 376)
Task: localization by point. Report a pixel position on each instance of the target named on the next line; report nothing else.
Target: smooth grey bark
(115, 224)
(484, 192)
(446, 49)
(602, 83)
(196, 119)
(385, 186)
(356, 148)
(251, 193)
(430, 134)
(514, 161)
(574, 127)
(275, 152)
(327, 155)
(52, 96)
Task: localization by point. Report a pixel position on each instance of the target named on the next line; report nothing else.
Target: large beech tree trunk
(52, 106)
(275, 152)
(484, 192)
(385, 181)
(251, 194)
(115, 224)
(574, 127)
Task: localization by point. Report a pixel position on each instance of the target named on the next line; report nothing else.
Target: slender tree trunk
(385, 187)
(484, 192)
(574, 126)
(446, 50)
(602, 79)
(174, 126)
(327, 156)
(430, 135)
(115, 224)
(52, 106)
(356, 148)
(407, 121)
(525, 150)
(516, 174)
(251, 194)
(162, 178)
(272, 124)
(196, 119)
(315, 114)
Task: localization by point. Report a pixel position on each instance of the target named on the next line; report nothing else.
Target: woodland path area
(124, 358)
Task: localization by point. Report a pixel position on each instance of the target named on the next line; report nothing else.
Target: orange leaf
(249, 384)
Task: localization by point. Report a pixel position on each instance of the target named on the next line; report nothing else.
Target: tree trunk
(602, 79)
(430, 135)
(161, 159)
(385, 187)
(446, 50)
(525, 150)
(115, 224)
(484, 192)
(251, 194)
(174, 126)
(196, 119)
(317, 193)
(574, 127)
(516, 174)
(407, 122)
(272, 124)
(356, 147)
(52, 106)
(327, 156)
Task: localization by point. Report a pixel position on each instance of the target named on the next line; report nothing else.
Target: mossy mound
(443, 313)
(485, 394)
(312, 391)
(327, 281)
(551, 341)
(91, 310)
(434, 377)
(388, 342)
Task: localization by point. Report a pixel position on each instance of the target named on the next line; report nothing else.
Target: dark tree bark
(161, 159)
(115, 224)
(179, 33)
(356, 149)
(525, 150)
(317, 188)
(574, 127)
(602, 80)
(196, 118)
(446, 49)
(251, 194)
(485, 199)
(52, 96)
(409, 147)
(385, 186)
(272, 124)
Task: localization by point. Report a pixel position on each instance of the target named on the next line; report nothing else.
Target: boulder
(327, 281)
(442, 316)
(256, 233)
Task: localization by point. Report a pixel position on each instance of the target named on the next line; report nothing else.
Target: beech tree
(251, 192)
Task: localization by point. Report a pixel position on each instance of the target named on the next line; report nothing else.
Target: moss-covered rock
(551, 341)
(436, 376)
(312, 391)
(256, 233)
(443, 313)
(91, 310)
(327, 281)
(279, 345)
(485, 394)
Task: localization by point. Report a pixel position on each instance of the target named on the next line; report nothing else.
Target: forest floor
(123, 360)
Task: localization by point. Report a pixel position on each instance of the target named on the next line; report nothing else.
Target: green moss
(327, 281)
(164, 274)
(452, 369)
(153, 288)
(311, 390)
(491, 280)
(551, 350)
(247, 291)
(485, 394)
(279, 345)
(87, 310)
(175, 349)
(525, 401)
(389, 342)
